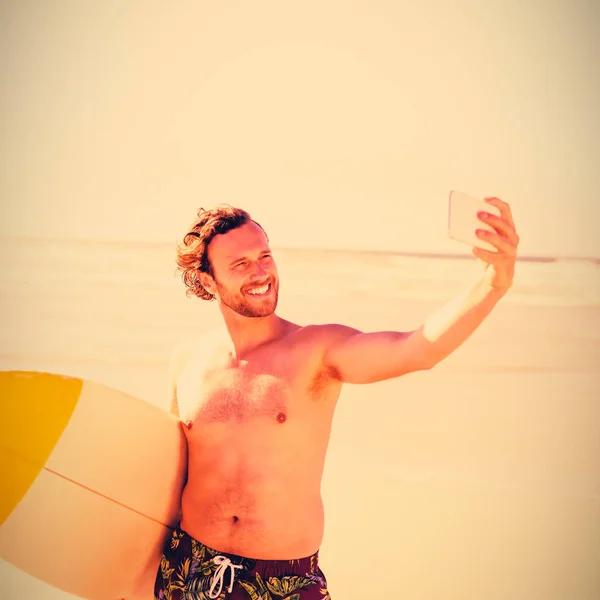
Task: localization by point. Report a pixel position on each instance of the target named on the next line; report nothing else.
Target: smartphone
(463, 220)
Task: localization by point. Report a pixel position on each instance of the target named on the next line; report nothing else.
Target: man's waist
(273, 529)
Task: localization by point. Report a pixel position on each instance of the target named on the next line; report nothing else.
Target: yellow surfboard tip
(35, 408)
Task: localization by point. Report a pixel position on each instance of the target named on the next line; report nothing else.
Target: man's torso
(257, 432)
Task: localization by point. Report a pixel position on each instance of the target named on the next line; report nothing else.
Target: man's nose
(258, 270)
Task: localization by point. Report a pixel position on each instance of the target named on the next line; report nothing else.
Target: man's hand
(500, 265)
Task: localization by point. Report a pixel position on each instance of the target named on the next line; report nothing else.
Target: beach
(477, 479)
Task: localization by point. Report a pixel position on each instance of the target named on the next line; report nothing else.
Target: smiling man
(257, 402)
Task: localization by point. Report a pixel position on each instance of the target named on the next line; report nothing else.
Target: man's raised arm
(356, 357)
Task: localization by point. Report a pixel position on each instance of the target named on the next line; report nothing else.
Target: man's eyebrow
(236, 260)
(241, 258)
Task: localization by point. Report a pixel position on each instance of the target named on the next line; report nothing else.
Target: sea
(124, 302)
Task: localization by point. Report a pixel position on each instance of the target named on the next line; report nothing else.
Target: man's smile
(263, 290)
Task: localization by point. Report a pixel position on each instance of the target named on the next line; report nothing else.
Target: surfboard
(91, 482)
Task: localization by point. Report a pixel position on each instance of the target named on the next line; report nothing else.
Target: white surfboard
(91, 484)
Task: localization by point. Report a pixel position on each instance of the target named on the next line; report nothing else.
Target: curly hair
(192, 253)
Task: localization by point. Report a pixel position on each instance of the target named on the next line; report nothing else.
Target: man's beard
(245, 306)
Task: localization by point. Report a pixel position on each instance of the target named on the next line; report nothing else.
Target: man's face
(245, 276)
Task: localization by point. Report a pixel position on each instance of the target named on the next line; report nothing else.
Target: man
(257, 403)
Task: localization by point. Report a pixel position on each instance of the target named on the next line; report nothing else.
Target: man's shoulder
(326, 334)
(328, 330)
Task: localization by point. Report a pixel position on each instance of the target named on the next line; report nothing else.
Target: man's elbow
(429, 361)
(424, 358)
(404, 367)
(427, 366)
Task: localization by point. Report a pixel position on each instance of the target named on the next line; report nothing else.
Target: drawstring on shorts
(223, 563)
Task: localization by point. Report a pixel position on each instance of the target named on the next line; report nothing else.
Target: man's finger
(502, 226)
(503, 207)
(503, 244)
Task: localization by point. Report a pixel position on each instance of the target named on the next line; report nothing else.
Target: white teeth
(260, 290)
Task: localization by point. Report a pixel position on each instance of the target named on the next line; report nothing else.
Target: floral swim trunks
(189, 570)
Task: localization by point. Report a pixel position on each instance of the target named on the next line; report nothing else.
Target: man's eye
(267, 256)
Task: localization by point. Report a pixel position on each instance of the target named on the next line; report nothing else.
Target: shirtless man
(257, 401)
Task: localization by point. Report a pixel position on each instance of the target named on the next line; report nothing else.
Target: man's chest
(236, 394)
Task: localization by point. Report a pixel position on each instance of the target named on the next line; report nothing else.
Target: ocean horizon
(465, 255)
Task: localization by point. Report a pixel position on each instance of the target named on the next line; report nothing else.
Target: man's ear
(208, 283)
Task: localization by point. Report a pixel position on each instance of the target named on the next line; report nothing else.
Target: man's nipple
(189, 424)
(281, 418)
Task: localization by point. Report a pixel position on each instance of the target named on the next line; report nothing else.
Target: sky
(336, 124)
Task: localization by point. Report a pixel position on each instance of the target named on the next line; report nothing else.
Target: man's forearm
(450, 326)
